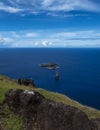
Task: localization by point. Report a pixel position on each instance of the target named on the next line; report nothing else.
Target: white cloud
(14, 34)
(36, 44)
(66, 15)
(44, 43)
(5, 41)
(47, 2)
(48, 6)
(53, 14)
(31, 35)
(9, 9)
(88, 34)
(64, 34)
(69, 5)
(82, 43)
(87, 38)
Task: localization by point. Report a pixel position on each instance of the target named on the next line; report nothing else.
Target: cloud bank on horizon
(59, 39)
(65, 23)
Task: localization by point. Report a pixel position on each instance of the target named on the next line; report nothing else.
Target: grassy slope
(9, 121)
(6, 84)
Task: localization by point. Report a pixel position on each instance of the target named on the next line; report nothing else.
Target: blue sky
(49, 23)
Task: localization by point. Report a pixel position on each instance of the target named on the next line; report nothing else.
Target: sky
(49, 23)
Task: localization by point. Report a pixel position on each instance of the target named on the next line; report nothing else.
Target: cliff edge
(39, 113)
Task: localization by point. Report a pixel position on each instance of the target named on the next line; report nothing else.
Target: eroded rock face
(13, 100)
(39, 113)
(0, 127)
(96, 122)
(24, 103)
(57, 116)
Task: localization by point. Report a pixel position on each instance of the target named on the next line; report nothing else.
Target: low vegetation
(9, 121)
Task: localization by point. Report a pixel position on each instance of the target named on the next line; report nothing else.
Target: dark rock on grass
(13, 100)
(26, 82)
(39, 113)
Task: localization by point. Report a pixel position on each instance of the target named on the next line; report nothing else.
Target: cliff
(39, 113)
(37, 109)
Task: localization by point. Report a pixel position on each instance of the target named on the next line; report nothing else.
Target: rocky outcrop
(39, 113)
(26, 82)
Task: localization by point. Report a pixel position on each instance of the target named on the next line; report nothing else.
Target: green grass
(6, 84)
(10, 121)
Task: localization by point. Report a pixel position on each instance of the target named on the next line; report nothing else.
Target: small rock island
(49, 65)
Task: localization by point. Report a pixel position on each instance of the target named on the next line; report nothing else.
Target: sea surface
(79, 70)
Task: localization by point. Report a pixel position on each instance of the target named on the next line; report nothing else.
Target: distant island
(49, 65)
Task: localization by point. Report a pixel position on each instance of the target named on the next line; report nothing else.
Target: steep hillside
(12, 121)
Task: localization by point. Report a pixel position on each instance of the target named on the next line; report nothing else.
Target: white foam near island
(29, 92)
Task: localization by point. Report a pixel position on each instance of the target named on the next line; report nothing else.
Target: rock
(26, 82)
(29, 103)
(0, 127)
(0, 116)
(57, 116)
(13, 100)
(96, 122)
(39, 113)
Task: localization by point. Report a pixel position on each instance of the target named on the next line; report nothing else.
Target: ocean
(79, 70)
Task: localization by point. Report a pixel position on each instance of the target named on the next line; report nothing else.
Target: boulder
(39, 113)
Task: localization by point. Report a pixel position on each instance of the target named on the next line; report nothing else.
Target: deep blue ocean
(79, 71)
